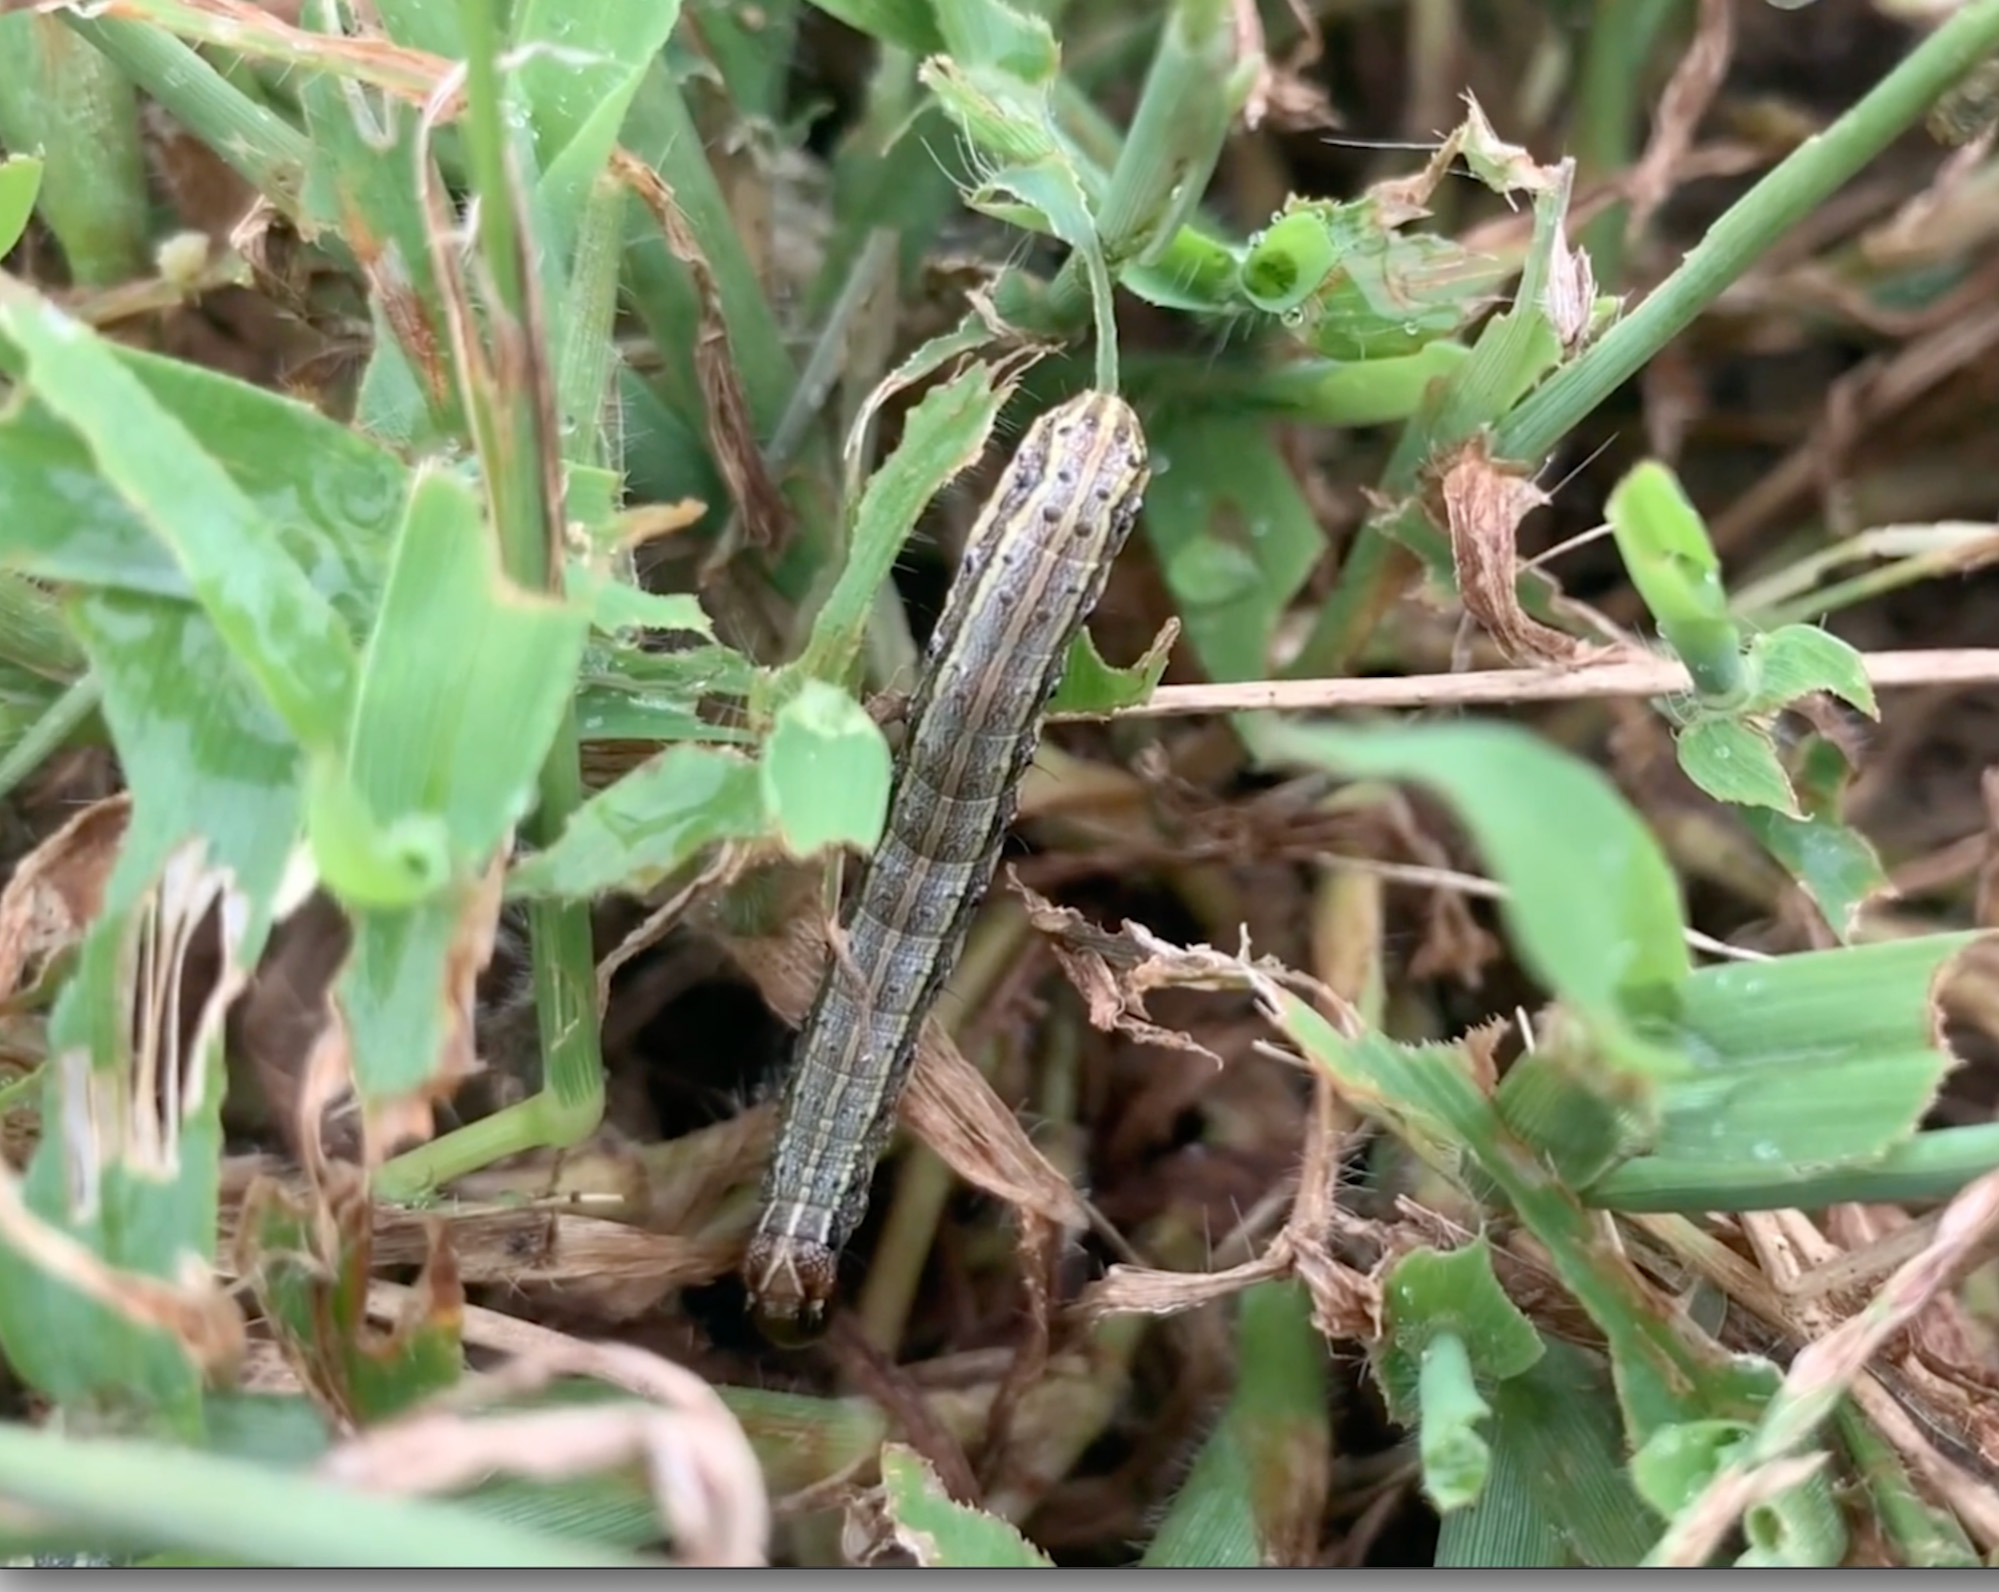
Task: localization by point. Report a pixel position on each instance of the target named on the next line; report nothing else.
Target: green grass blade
(660, 131)
(464, 678)
(1232, 531)
(1666, 1372)
(1326, 392)
(1192, 92)
(264, 149)
(464, 683)
(337, 494)
(1808, 1061)
(50, 730)
(581, 69)
(1735, 761)
(1929, 1166)
(254, 1515)
(1091, 687)
(20, 182)
(204, 758)
(585, 349)
(942, 437)
(1666, 550)
(907, 24)
(753, 48)
(652, 822)
(280, 630)
(1923, 1535)
(1614, 952)
(361, 180)
(1834, 863)
(942, 1533)
(63, 101)
(1256, 1490)
(1557, 1494)
(826, 772)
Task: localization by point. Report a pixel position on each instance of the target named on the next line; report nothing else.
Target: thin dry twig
(1643, 676)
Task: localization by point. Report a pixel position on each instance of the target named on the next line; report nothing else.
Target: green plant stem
(58, 722)
(1449, 1398)
(1837, 596)
(1799, 185)
(513, 445)
(1176, 134)
(1531, 431)
(1239, 1504)
(252, 1513)
(1320, 392)
(1368, 587)
(513, 457)
(1924, 1537)
(1163, 169)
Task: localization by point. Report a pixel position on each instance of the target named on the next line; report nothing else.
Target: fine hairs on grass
(1420, 751)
